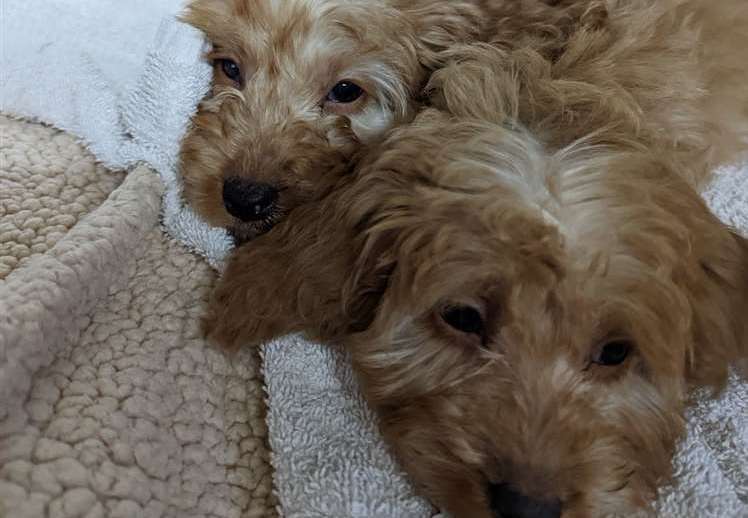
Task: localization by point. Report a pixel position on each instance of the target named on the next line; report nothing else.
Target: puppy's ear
(288, 280)
(480, 81)
(440, 24)
(741, 315)
(210, 16)
(368, 280)
(720, 303)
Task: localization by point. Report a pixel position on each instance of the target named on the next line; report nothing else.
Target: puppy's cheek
(205, 153)
(371, 123)
(203, 192)
(194, 186)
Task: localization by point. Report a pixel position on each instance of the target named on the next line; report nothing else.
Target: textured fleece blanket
(111, 405)
(327, 455)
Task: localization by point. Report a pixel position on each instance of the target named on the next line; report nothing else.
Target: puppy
(526, 277)
(299, 87)
(525, 322)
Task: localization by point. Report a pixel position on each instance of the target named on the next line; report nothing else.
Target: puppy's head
(299, 86)
(539, 316)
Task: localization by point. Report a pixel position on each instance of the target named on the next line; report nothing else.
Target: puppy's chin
(242, 232)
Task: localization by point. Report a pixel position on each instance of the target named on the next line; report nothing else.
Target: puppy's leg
(245, 307)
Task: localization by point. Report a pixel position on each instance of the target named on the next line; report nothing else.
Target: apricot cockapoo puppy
(526, 276)
(526, 322)
(299, 87)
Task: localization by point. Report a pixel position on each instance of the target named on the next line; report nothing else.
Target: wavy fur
(553, 189)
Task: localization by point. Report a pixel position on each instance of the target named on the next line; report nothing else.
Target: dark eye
(345, 92)
(613, 353)
(465, 319)
(231, 70)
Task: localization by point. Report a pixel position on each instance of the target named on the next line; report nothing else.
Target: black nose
(506, 502)
(248, 201)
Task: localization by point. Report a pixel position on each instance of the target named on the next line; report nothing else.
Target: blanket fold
(111, 403)
(36, 304)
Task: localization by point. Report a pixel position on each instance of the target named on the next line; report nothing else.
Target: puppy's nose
(506, 502)
(248, 201)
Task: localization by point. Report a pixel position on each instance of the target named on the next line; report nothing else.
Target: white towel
(85, 66)
(328, 456)
(126, 80)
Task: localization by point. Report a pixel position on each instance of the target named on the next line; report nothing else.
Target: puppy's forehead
(288, 25)
(315, 42)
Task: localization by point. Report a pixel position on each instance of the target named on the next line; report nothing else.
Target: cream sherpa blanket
(110, 405)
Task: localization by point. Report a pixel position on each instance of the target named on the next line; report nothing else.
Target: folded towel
(126, 80)
(328, 456)
(156, 114)
(67, 62)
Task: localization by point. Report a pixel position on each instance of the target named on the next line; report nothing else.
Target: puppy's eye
(231, 70)
(465, 319)
(612, 353)
(345, 92)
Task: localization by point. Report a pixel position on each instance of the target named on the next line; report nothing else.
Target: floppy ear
(288, 280)
(219, 20)
(207, 15)
(741, 315)
(368, 280)
(480, 81)
(720, 304)
(440, 24)
(320, 272)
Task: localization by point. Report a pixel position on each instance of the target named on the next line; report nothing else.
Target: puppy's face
(541, 320)
(299, 86)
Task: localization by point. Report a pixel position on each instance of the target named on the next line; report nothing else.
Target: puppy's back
(667, 75)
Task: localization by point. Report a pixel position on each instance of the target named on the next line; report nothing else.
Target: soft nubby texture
(110, 402)
(44, 191)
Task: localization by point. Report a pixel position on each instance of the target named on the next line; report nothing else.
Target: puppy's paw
(218, 328)
(222, 338)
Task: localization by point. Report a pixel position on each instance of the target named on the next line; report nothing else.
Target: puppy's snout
(248, 201)
(507, 502)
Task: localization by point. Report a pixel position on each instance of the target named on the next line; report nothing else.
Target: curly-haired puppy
(299, 86)
(526, 276)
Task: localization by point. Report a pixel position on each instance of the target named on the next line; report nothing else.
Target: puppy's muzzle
(249, 201)
(506, 502)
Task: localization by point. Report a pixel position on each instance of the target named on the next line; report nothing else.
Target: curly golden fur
(271, 121)
(525, 275)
